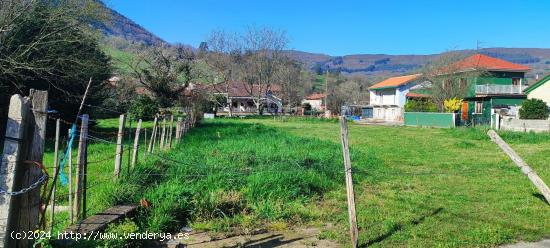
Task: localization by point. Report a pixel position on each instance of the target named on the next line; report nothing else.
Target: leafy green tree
(533, 109)
(143, 107)
(48, 45)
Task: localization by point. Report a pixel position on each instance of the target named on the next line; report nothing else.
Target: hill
(382, 64)
(118, 25)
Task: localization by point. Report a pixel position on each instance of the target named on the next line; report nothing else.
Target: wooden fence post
(145, 142)
(354, 233)
(178, 130)
(70, 166)
(153, 135)
(163, 134)
(12, 157)
(136, 144)
(119, 148)
(81, 167)
(530, 173)
(31, 201)
(55, 164)
(171, 130)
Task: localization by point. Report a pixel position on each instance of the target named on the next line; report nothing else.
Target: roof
(417, 95)
(241, 89)
(481, 61)
(316, 96)
(395, 82)
(537, 84)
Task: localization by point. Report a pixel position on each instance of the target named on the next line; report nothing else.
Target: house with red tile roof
(242, 97)
(316, 101)
(389, 96)
(499, 88)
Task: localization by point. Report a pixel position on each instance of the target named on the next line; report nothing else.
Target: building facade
(388, 97)
(540, 90)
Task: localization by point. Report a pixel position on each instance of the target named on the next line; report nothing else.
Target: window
(463, 83)
(516, 81)
(447, 84)
(479, 108)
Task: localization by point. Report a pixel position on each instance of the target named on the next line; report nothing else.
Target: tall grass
(229, 169)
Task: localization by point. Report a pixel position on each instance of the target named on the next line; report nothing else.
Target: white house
(316, 101)
(540, 90)
(389, 96)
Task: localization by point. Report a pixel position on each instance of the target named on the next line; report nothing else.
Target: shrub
(452, 105)
(533, 109)
(143, 107)
(420, 106)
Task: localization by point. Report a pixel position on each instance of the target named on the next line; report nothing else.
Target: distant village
(491, 92)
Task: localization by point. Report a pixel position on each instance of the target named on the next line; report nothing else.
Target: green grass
(120, 59)
(100, 168)
(417, 187)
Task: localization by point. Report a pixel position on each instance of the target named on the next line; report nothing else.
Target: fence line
(28, 212)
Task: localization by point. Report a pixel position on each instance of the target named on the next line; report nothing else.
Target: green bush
(420, 106)
(143, 107)
(533, 109)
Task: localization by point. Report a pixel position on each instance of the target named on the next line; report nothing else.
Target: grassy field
(414, 187)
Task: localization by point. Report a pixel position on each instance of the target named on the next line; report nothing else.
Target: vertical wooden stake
(354, 233)
(55, 164)
(11, 159)
(178, 130)
(30, 201)
(163, 134)
(119, 148)
(129, 140)
(70, 166)
(81, 167)
(136, 145)
(85, 169)
(145, 142)
(171, 130)
(153, 134)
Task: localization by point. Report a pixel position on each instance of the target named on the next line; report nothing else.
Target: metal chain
(25, 190)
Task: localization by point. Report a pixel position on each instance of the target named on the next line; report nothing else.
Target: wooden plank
(30, 201)
(136, 144)
(531, 174)
(354, 232)
(100, 221)
(11, 159)
(119, 148)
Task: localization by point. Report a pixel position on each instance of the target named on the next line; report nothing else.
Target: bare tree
(165, 72)
(220, 52)
(449, 77)
(263, 49)
(291, 78)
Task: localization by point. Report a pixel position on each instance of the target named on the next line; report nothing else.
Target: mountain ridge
(370, 65)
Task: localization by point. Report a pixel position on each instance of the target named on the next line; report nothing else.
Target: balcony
(498, 89)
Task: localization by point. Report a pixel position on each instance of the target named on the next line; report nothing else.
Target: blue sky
(353, 27)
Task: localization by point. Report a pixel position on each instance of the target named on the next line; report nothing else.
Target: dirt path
(296, 238)
(540, 244)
